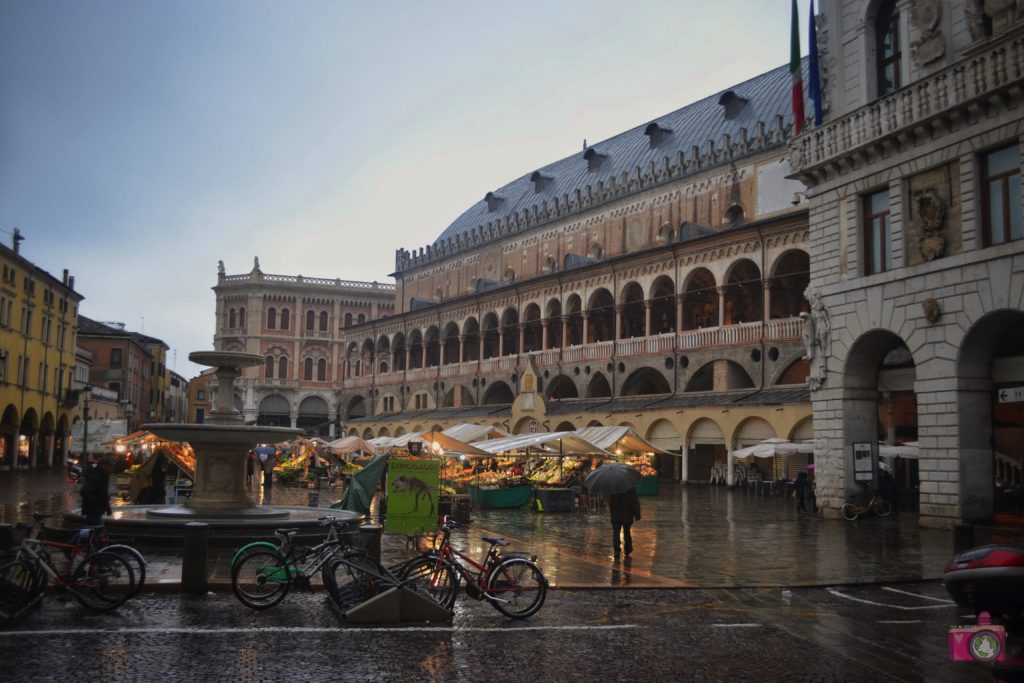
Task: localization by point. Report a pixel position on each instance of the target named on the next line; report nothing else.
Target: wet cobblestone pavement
(865, 633)
(689, 536)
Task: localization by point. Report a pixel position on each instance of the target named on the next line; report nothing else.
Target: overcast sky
(141, 141)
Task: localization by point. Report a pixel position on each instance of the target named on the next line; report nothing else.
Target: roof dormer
(540, 181)
(733, 104)
(594, 159)
(656, 133)
(493, 202)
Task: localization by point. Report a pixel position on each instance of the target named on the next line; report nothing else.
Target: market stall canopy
(770, 448)
(543, 443)
(907, 450)
(445, 444)
(351, 444)
(470, 433)
(619, 440)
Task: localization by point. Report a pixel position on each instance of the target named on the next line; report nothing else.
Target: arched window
(282, 367)
(734, 216)
(323, 321)
(321, 370)
(269, 370)
(310, 321)
(241, 317)
(307, 370)
(231, 319)
(348, 320)
(284, 318)
(887, 47)
(362, 318)
(271, 318)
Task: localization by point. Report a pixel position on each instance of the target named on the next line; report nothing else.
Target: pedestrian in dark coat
(624, 508)
(801, 485)
(96, 492)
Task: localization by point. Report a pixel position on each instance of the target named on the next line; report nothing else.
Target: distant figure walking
(802, 487)
(624, 508)
(96, 492)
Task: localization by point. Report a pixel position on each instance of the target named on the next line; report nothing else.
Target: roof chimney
(18, 237)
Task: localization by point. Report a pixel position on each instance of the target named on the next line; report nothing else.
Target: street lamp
(87, 390)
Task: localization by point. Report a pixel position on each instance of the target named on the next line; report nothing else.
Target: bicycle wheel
(517, 588)
(439, 581)
(261, 578)
(882, 507)
(102, 582)
(849, 512)
(134, 559)
(352, 577)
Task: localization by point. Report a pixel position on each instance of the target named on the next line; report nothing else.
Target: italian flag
(796, 74)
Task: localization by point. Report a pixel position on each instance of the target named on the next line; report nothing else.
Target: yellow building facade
(37, 360)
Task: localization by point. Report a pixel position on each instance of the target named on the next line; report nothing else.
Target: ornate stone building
(916, 248)
(296, 323)
(654, 279)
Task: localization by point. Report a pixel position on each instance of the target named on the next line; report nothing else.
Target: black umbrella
(614, 477)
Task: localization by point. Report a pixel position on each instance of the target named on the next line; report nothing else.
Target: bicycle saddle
(286, 533)
(496, 540)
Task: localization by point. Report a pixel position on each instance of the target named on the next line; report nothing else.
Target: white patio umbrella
(769, 448)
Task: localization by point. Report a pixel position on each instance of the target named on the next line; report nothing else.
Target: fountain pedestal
(222, 448)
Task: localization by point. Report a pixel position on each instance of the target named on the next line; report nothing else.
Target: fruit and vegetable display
(555, 471)
(642, 463)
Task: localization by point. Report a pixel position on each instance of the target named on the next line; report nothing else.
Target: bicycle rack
(384, 599)
(16, 600)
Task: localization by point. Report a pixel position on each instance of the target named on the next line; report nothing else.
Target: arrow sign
(1011, 394)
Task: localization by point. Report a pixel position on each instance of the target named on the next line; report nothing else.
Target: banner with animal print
(412, 495)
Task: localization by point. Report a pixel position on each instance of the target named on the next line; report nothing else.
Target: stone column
(522, 337)
(462, 348)
(565, 331)
(501, 341)
(544, 324)
(483, 339)
(407, 352)
(423, 354)
(618, 321)
(647, 318)
(680, 300)
(729, 464)
(766, 301)
(721, 306)
(585, 315)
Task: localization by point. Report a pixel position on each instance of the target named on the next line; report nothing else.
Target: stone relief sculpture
(817, 338)
(931, 216)
(220, 267)
(931, 45)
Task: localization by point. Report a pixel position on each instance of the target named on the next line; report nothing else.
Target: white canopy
(908, 450)
(470, 433)
(447, 444)
(769, 448)
(618, 440)
(351, 444)
(543, 443)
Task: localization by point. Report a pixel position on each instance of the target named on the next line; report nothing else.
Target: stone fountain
(219, 495)
(222, 447)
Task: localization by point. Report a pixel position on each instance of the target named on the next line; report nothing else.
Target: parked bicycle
(875, 503)
(262, 573)
(99, 580)
(512, 582)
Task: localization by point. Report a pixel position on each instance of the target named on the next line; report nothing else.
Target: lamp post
(87, 391)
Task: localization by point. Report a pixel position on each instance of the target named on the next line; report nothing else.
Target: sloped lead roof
(767, 95)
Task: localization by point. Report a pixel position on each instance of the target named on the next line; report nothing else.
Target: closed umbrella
(614, 477)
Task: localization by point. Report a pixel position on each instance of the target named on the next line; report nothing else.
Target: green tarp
(363, 485)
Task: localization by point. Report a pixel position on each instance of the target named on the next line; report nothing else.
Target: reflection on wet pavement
(689, 536)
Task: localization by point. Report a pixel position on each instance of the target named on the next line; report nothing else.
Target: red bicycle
(512, 582)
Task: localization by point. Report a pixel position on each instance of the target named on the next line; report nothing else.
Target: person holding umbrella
(618, 482)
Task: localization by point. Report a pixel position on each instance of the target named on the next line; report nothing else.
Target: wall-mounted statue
(927, 17)
(817, 338)
(931, 216)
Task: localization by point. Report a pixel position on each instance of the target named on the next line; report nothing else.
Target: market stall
(549, 462)
(632, 449)
(146, 452)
